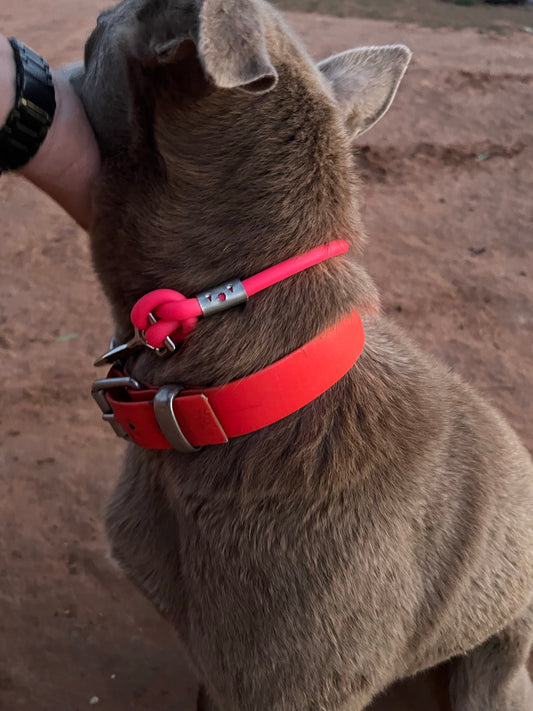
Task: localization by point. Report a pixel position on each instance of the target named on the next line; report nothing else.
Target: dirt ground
(457, 14)
(448, 209)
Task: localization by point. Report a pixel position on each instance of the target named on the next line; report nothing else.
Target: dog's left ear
(233, 46)
(365, 82)
(228, 36)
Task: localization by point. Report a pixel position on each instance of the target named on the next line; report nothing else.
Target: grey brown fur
(388, 525)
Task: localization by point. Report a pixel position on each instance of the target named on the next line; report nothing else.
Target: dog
(387, 524)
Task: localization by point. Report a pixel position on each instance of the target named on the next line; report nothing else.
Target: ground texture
(448, 208)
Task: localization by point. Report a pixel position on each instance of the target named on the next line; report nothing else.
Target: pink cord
(291, 266)
(177, 316)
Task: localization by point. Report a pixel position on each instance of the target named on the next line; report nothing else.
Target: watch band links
(28, 123)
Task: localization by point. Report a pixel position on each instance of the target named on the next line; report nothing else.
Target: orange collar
(187, 419)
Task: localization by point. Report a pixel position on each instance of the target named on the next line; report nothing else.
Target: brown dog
(379, 530)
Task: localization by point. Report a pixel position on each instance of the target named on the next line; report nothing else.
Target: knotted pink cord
(177, 315)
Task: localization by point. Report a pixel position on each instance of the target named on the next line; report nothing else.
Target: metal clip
(138, 340)
(100, 387)
(114, 354)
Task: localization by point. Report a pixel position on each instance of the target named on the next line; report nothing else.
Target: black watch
(35, 104)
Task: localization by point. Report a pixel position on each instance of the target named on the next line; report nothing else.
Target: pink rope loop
(178, 330)
(177, 316)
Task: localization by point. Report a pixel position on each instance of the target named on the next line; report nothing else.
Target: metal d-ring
(168, 349)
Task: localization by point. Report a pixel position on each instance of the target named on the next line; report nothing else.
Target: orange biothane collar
(187, 419)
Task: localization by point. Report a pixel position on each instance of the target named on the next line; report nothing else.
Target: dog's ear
(233, 46)
(227, 37)
(365, 82)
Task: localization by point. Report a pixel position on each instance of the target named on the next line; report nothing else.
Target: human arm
(68, 160)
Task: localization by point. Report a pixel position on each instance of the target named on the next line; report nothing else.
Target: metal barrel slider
(219, 298)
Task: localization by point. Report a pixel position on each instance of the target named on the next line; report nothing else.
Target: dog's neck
(229, 208)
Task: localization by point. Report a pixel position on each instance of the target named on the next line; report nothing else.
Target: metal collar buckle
(99, 389)
(164, 413)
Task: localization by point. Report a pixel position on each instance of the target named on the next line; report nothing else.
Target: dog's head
(236, 45)
(224, 142)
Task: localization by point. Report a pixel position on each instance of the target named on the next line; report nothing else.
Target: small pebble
(94, 700)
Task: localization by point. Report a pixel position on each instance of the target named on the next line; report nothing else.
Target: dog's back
(384, 527)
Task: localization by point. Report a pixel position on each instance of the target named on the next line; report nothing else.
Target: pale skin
(68, 161)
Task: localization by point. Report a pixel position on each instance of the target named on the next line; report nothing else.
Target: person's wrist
(69, 160)
(7, 79)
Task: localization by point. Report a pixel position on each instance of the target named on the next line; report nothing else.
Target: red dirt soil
(447, 203)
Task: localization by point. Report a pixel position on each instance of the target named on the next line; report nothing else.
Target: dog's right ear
(226, 37)
(364, 82)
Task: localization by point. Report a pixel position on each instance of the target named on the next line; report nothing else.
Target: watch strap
(28, 122)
